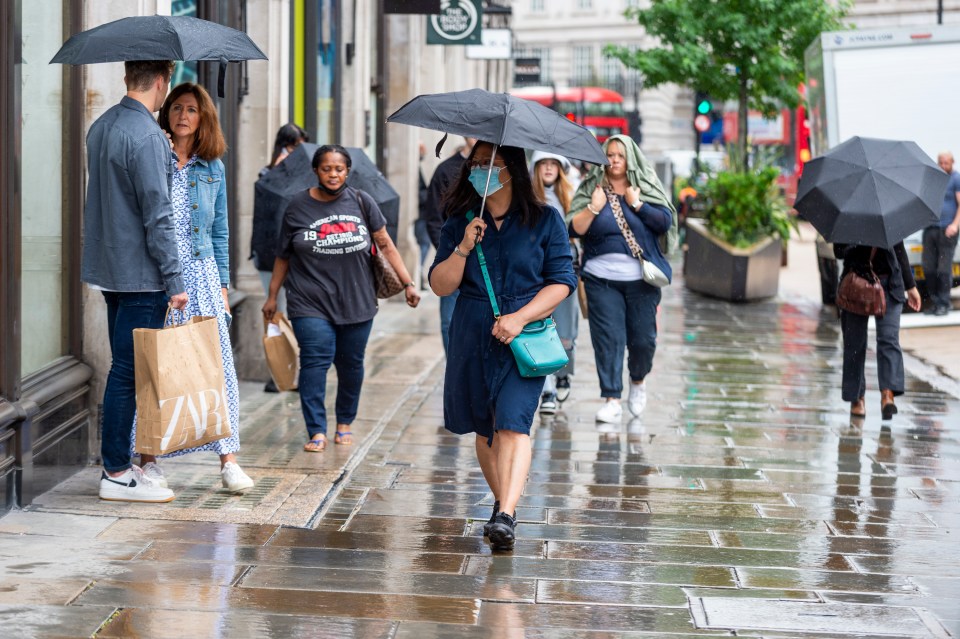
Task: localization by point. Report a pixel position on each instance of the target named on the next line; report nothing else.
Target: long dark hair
(461, 196)
(288, 134)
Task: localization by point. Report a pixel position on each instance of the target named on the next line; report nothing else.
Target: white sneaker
(133, 485)
(154, 472)
(638, 398)
(610, 413)
(234, 479)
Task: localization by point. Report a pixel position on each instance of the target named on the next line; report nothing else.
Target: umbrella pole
(486, 188)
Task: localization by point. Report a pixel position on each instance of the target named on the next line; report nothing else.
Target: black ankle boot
(493, 517)
(502, 532)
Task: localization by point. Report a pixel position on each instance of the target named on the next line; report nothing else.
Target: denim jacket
(210, 235)
(129, 242)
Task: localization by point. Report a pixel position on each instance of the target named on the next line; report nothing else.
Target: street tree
(750, 51)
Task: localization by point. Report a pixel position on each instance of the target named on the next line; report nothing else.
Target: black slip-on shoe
(493, 518)
(501, 533)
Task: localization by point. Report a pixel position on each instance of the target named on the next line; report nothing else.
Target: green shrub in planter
(745, 207)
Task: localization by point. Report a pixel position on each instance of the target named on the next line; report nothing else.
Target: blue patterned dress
(202, 279)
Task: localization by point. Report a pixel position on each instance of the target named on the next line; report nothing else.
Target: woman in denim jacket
(199, 198)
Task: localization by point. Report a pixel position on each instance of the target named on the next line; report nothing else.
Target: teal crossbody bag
(538, 349)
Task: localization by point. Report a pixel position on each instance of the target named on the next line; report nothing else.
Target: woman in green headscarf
(619, 212)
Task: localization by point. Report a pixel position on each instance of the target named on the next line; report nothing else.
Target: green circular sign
(457, 19)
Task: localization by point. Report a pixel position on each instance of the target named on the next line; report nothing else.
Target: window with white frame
(582, 64)
(584, 4)
(536, 6)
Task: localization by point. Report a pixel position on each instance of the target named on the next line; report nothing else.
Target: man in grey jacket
(130, 254)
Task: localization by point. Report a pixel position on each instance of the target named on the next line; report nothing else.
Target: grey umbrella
(501, 119)
(871, 192)
(159, 38)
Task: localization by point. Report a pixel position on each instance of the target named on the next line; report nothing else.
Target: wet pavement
(745, 502)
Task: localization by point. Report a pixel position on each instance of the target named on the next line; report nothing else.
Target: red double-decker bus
(599, 110)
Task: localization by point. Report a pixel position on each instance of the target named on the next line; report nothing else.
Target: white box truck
(901, 84)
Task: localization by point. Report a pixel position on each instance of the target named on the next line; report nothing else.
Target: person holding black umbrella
(527, 253)
(323, 261)
(865, 195)
(130, 254)
(892, 267)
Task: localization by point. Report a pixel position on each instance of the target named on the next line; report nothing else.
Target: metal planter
(713, 267)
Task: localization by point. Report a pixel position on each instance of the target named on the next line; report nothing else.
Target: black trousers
(937, 262)
(889, 355)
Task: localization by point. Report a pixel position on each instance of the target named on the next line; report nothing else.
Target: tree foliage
(750, 51)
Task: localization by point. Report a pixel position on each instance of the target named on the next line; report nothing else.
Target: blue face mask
(478, 178)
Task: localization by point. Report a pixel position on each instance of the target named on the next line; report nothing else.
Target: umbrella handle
(486, 188)
(221, 76)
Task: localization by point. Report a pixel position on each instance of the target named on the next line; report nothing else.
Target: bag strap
(366, 218)
(486, 274)
(632, 243)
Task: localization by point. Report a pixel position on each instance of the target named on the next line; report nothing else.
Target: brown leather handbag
(861, 293)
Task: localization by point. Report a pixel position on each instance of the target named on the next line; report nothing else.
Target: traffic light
(704, 106)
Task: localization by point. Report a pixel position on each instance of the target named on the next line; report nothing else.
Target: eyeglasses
(485, 167)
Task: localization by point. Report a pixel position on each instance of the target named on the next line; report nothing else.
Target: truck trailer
(900, 84)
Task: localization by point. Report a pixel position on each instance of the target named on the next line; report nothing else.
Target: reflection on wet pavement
(745, 501)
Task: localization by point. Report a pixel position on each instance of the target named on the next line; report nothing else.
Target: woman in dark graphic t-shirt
(323, 262)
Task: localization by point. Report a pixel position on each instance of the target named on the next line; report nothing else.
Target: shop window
(42, 280)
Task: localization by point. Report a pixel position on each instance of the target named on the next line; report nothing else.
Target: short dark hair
(330, 148)
(140, 74)
(461, 196)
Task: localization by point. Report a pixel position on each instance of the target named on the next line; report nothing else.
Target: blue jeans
(447, 304)
(623, 315)
(125, 312)
(323, 343)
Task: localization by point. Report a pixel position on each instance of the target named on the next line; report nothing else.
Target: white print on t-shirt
(335, 231)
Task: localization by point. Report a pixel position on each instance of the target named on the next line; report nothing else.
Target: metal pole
(939, 11)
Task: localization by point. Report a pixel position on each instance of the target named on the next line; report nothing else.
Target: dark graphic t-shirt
(328, 245)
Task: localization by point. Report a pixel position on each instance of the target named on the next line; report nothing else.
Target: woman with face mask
(323, 262)
(527, 254)
(548, 172)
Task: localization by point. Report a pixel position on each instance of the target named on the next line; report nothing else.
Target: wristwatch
(590, 208)
(456, 249)
(409, 284)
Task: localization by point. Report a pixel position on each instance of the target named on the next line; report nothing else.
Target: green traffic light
(704, 107)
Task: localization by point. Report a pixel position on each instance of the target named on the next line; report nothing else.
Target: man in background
(940, 242)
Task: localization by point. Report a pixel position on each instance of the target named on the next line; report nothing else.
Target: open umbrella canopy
(501, 119)
(158, 38)
(295, 174)
(871, 192)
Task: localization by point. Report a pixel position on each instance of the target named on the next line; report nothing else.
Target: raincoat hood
(641, 174)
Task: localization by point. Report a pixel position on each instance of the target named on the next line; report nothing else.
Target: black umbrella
(871, 192)
(501, 119)
(274, 191)
(159, 38)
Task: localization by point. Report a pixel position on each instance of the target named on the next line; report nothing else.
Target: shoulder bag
(652, 274)
(537, 350)
(861, 293)
(385, 279)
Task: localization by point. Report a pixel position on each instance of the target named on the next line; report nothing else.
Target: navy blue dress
(482, 385)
